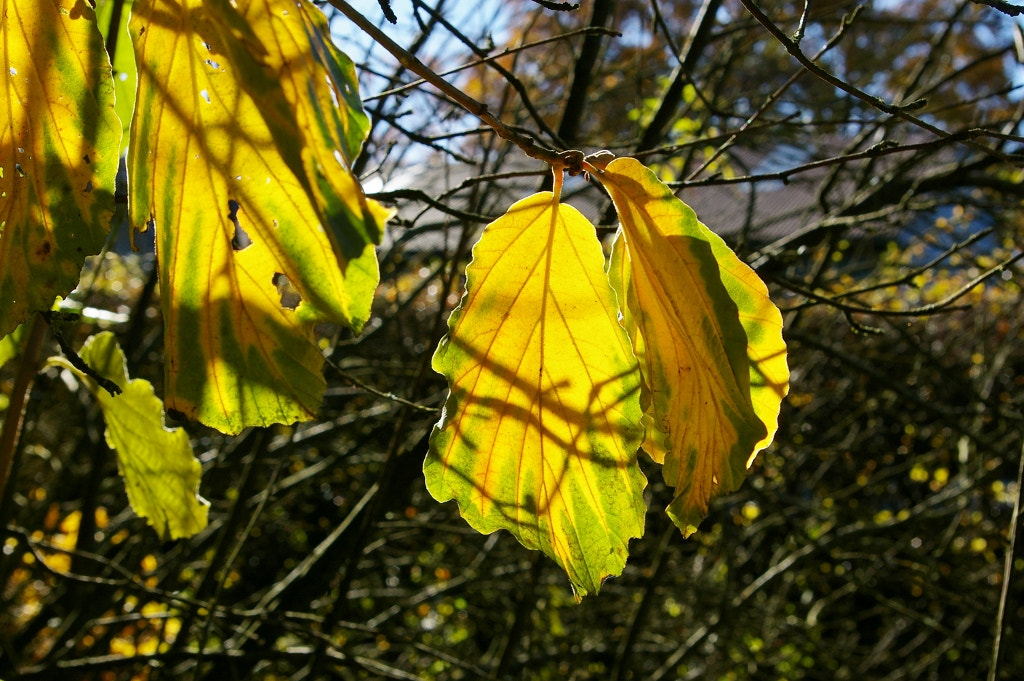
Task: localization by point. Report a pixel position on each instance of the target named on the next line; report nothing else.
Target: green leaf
(708, 337)
(541, 427)
(58, 152)
(246, 122)
(10, 345)
(123, 62)
(160, 473)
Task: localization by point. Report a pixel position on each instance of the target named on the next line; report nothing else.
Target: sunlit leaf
(246, 122)
(708, 337)
(59, 138)
(160, 473)
(10, 345)
(540, 431)
(123, 60)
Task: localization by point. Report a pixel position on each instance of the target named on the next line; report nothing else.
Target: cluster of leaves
(873, 540)
(863, 542)
(244, 171)
(544, 416)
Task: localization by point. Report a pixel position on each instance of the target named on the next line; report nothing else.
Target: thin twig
(659, 21)
(697, 40)
(802, 26)
(379, 393)
(1001, 6)
(510, 78)
(1007, 571)
(113, 388)
(493, 57)
(576, 100)
(389, 14)
(901, 111)
(477, 108)
(833, 41)
(939, 307)
(880, 149)
(558, 6)
(422, 197)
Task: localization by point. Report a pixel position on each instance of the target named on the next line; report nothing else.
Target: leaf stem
(76, 361)
(559, 176)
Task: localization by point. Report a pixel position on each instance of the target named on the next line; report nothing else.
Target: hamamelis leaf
(59, 138)
(122, 61)
(246, 122)
(540, 431)
(160, 473)
(10, 345)
(708, 337)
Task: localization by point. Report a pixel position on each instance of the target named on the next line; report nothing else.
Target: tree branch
(1001, 6)
(558, 6)
(571, 161)
(670, 100)
(901, 111)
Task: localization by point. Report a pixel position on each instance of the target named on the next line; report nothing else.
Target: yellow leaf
(540, 431)
(122, 62)
(59, 138)
(708, 337)
(160, 473)
(246, 122)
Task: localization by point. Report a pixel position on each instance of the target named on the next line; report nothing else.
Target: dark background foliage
(865, 162)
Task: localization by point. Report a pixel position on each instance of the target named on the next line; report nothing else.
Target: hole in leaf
(290, 297)
(330, 89)
(205, 95)
(240, 240)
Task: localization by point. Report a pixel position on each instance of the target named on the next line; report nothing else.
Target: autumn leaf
(160, 473)
(541, 427)
(10, 345)
(708, 337)
(122, 61)
(247, 120)
(58, 152)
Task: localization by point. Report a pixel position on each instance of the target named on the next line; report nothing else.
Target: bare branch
(477, 108)
(389, 13)
(1002, 6)
(558, 6)
(902, 111)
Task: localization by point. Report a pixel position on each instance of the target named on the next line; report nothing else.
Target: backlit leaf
(10, 345)
(708, 337)
(160, 473)
(540, 431)
(122, 61)
(59, 138)
(246, 121)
